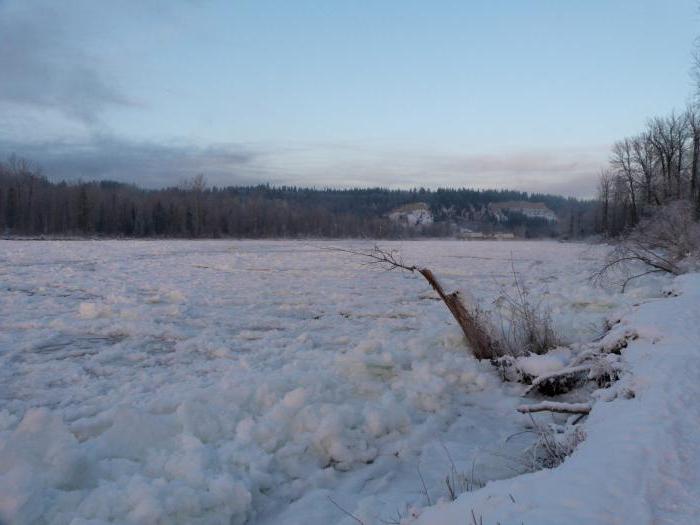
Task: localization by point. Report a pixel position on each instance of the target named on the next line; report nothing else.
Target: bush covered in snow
(666, 241)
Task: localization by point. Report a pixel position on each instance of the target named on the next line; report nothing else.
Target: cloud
(158, 164)
(55, 94)
(571, 172)
(43, 64)
(147, 164)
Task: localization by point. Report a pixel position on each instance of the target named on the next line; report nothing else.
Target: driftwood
(482, 344)
(553, 406)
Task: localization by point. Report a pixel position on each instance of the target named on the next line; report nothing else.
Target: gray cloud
(43, 65)
(147, 164)
(157, 164)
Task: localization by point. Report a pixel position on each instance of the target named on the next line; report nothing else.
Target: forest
(33, 205)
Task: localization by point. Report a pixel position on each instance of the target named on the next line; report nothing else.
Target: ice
(254, 381)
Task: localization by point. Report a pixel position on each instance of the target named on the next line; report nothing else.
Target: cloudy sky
(527, 94)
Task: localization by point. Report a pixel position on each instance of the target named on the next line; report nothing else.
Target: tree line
(653, 168)
(32, 205)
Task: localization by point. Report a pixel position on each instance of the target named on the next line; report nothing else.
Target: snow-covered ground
(640, 462)
(268, 381)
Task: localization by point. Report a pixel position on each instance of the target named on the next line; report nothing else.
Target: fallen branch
(553, 406)
(482, 344)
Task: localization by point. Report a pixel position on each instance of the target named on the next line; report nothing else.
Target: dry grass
(457, 482)
(525, 323)
(553, 445)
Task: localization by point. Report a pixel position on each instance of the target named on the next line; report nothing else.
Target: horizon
(182, 185)
(392, 95)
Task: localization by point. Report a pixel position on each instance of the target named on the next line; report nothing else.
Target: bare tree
(693, 120)
(622, 162)
(662, 143)
(643, 160)
(605, 185)
(695, 69)
(680, 138)
(668, 135)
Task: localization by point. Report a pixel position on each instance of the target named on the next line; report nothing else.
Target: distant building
(533, 210)
(413, 214)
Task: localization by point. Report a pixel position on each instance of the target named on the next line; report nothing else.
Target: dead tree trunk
(482, 344)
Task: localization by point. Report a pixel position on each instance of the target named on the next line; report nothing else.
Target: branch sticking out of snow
(553, 406)
(475, 329)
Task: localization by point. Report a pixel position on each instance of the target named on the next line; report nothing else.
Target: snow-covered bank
(219, 382)
(640, 462)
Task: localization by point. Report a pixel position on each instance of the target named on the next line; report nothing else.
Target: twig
(347, 512)
(425, 488)
(624, 285)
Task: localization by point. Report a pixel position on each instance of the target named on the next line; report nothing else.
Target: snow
(555, 406)
(640, 461)
(256, 381)
(415, 214)
(540, 365)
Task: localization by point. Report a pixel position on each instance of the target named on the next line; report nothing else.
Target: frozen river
(257, 381)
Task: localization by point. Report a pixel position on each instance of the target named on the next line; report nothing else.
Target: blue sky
(502, 93)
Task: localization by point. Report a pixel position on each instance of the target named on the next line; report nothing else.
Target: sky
(523, 94)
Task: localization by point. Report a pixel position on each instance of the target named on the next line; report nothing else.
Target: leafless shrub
(672, 229)
(525, 323)
(666, 242)
(553, 445)
(605, 370)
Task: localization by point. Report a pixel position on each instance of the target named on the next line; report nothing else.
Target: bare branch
(346, 512)
(633, 277)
